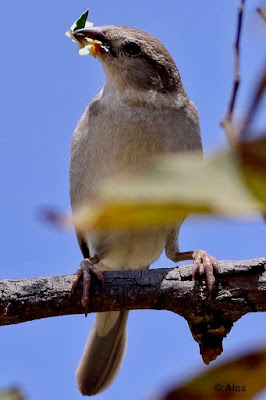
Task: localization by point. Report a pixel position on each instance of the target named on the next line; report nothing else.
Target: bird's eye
(131, 49)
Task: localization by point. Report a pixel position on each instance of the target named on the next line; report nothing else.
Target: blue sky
(45, 86)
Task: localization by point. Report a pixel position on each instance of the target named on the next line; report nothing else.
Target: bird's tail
(103, 353)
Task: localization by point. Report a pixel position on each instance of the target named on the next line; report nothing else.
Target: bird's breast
(111, 138)
(127, 249)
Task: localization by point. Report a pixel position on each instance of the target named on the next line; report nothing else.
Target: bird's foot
(209, 264)
(200, 256)
(85, 271)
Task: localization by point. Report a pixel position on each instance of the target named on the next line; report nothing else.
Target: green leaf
(80, 23)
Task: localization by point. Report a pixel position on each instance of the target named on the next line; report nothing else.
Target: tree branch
(240, 288)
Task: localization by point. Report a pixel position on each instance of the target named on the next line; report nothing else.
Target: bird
(142, 112)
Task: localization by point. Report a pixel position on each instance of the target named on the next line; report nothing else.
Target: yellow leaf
(238, 379)
(11, 394)
(252, 156)
(168, 189)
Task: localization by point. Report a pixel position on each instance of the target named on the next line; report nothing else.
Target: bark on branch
(240, 288)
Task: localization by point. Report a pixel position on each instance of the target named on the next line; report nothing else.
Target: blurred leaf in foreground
(240, 378)
(11, 394)
(253, 162)
(169, 189)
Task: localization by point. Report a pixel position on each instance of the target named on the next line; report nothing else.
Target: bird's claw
(209, 264)
(85, 270)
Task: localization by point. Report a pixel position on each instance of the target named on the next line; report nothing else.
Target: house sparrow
(142, 112)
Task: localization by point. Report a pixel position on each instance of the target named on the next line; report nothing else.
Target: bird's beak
(95, 37)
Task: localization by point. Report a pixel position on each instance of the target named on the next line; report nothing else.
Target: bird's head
(132, 58)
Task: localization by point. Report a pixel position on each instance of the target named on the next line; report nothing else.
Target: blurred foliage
(241, 378)
(252, 157)
(230, 183)
(11, 394)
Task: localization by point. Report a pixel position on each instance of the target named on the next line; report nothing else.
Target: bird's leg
(200, 256)
(85, 270)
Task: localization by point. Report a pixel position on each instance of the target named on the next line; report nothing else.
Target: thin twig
(262, 13)
(227, 120)
(236, 61)
(257, 97)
